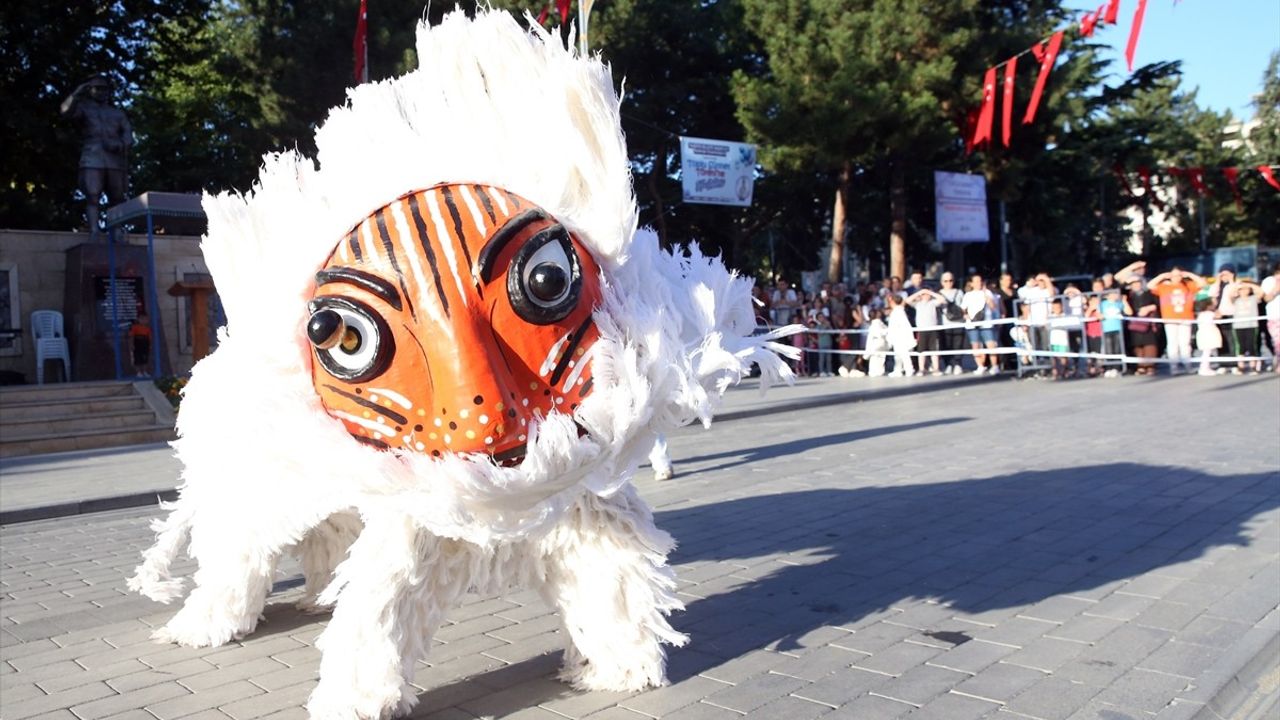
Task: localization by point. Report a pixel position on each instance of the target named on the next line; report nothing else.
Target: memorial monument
(106, 137)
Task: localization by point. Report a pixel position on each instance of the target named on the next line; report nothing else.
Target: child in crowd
(877, 344)
(1113, 308)
(1093, 333)
(140, 337)
(799, 340)
(1059, 340)
(811, 347)
(844, 343)
(1245, 325)
(826, 343)
(1208, 338)
(1022, 338)
(901, 336)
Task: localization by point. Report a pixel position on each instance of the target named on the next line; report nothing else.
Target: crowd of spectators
(1118, 323)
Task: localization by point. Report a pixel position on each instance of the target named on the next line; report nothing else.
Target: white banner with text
(962, 207)
(717, 172)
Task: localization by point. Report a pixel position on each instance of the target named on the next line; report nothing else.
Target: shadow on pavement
(796, 447)
(837, 557)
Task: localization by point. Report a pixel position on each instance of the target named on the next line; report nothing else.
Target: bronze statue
(107, 137)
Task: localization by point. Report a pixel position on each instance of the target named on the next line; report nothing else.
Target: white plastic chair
(51, 342)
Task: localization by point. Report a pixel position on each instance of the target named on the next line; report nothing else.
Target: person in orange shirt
(1177, 290)
(140, 337)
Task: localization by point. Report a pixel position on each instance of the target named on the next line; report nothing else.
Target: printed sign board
(962, 207)
(717, 172)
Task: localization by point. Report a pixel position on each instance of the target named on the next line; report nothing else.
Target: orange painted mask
(450, 320)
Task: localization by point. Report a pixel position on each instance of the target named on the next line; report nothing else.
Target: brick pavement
(1095, 549)
(38, 487)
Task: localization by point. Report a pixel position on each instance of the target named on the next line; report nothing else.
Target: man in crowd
(1176, 291)
(783, 302)
(1036, 294)
(1222, 292)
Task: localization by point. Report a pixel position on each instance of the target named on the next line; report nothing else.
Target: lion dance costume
(447, 350)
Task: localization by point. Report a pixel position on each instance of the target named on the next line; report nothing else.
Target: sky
(1224, 45)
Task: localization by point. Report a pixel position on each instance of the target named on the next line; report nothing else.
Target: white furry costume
(392, 539)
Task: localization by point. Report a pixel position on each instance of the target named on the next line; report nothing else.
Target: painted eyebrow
(505, 234)
(362, 280)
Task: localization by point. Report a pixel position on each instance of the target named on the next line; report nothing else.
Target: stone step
(141, 417)
(88, 440)
(58, 392)
(25, 412)
(37, 419)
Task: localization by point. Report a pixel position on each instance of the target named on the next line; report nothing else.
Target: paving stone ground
(1063, 551)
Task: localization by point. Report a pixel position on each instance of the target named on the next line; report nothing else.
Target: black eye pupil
(548, 281)
(325, 329)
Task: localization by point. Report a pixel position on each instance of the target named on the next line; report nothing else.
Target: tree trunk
(835, 268)
(1146, 224)
(734, 251)
(898, 227)
(655, 191)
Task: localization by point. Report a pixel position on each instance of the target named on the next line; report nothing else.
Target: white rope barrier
(1076, 327)
(1077, 322)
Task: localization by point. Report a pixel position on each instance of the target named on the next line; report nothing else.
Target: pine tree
(851, 83)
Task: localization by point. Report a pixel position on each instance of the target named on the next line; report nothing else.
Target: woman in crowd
(1142, 332)
(1006, 292)
(952, 324)
(1270, 291)
(1244, 324)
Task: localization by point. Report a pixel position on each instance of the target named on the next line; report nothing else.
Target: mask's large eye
(352, 342)
(545, 279)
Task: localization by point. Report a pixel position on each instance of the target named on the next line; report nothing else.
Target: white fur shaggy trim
(393, 539)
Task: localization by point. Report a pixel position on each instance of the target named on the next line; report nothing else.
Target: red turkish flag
(1046, 57)
(360, 45)
(1196, 176)
(1134, 32)
(970, 129)
(987, 116)
(1088, 22)
(1118, 169)
(563, 7)
(1233, 179)
(1269, 176)
(1006, 111)
(1113, 12)
(1145, 173)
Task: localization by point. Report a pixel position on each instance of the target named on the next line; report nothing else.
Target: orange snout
(484, 397)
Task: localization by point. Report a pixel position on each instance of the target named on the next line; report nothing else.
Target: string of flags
(562, 7)
(1194, 176)
(979, 130)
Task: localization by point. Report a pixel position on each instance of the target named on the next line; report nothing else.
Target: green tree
(1262, 202)
(46, 50)
(672, 60)
(851, 85)
(255, 76)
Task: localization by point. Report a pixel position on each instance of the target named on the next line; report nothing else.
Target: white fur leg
(226, 602)
(607, 574)
(391, 594)
(152, 577)
(320, 552)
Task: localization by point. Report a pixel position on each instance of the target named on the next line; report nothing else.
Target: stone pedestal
(93, 304)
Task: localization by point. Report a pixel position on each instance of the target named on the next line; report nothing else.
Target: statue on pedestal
(106, 136)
